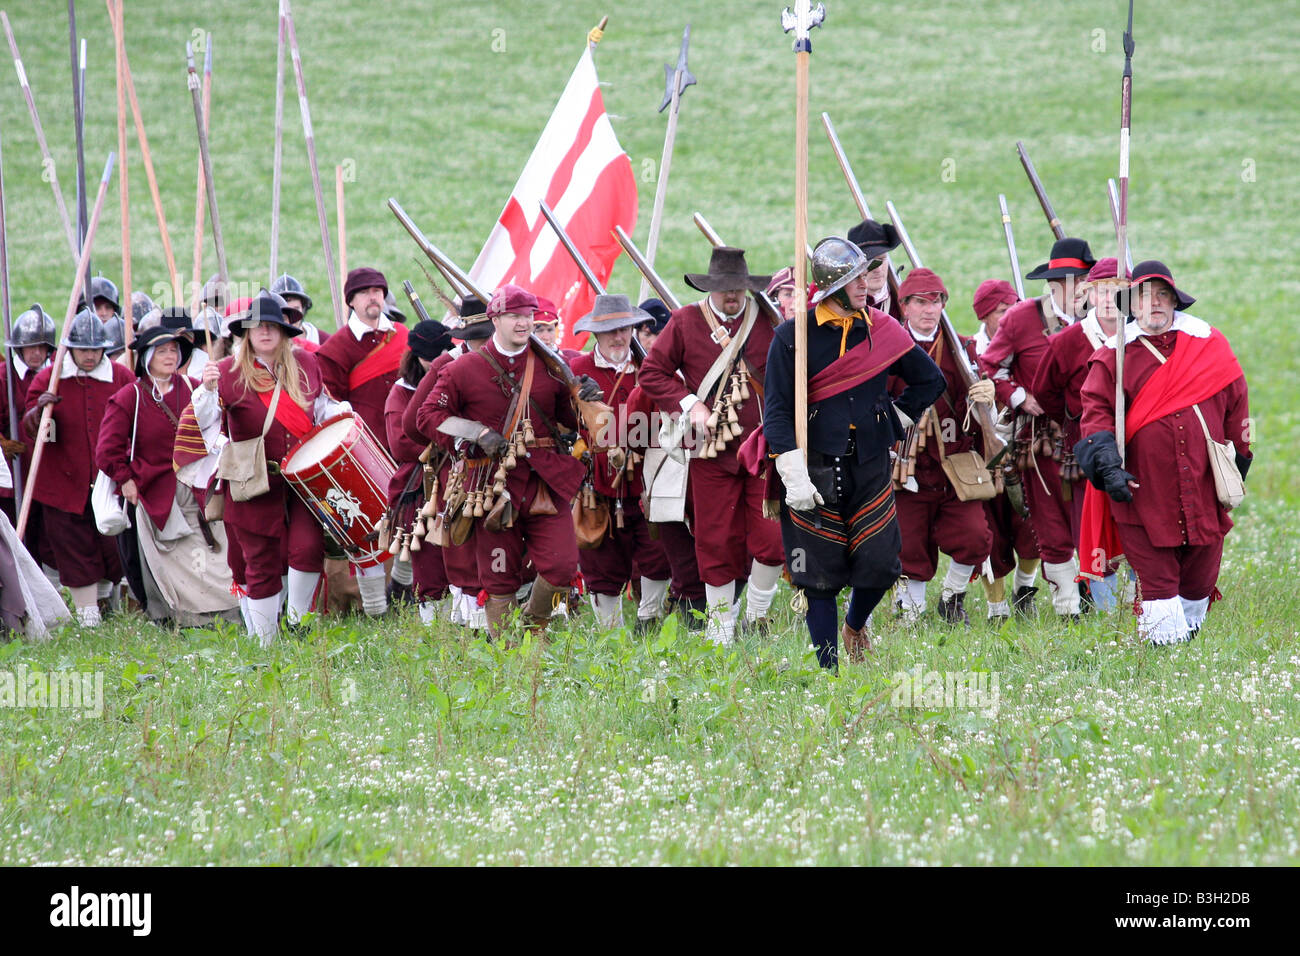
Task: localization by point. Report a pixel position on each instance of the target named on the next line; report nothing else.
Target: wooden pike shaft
(46, 160)
(321, 215)
(279, 151)
(119, 44)
(1121, 235)
(223, 273)
(149, 174)
(200, 191)
(341, 212)
(77, 285)
(79, 124)
(8, 330)
(661, 187)
(1112, 194)
(800, 253)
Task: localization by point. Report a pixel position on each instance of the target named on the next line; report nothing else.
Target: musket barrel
(647, 270)
(571, 249)
(1054, 223)
(436, 256)
(1016, 279)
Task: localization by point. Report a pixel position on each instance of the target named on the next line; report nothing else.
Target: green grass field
(396, 744)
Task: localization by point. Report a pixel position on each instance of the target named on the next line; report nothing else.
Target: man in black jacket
(838, 522)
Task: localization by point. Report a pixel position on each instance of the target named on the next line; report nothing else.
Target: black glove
(1243, 464)
(588, 390)
(1098, 456)
(492, 443)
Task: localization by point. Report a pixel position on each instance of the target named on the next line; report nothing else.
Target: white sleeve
(325, 408)
(207, 411)
(1018, 396)
(689, 402)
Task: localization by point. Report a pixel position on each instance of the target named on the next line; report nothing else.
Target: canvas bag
(967, 472)
(242, 465)
(105, 502)
(1229, 486)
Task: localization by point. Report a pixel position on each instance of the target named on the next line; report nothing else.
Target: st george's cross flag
(581, 172)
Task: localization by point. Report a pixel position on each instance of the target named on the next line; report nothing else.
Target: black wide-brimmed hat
(610, 313)
(658, 312)
(177, 319)
(266, 307)
(1070, 257)
(873, 238)
(727, 271)
(1154, 269)
(158, 335)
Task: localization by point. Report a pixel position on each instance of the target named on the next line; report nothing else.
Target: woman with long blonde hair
(275, 531)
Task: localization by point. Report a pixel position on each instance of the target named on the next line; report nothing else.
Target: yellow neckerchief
(830, 312)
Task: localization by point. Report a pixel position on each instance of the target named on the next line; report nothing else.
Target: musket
(1121, 222)
(994, 446)
(660, 287)
(638, 351)
(858, 199)
(1016, 279)
(591, 412)
(765, 304)
(47, 161)
(209, 183)
(676, 80)
(1057, 229)
(1113, 197)
(8, 330)
(421, 312)
(78, 283)
(800, 21)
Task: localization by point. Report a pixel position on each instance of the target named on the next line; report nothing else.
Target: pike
(47, 412)
(200, 120)
(172, 275)
(800, 21)
(279, 149)
(1055, 224)
(201, 180)
(994, 446)
(1113, 197)
(47, 161)
(765, 303)
(1121, 222)
(675, 82)
(79, 127)
(305, 109)
(8, 330)
(858, 199)
(339, 211)
(647, 271)
(1011, 248)
(595, 415)
(119, 46)
(637, 349)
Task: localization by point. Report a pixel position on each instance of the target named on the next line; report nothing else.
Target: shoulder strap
(270, 411)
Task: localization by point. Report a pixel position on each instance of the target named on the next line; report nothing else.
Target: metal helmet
(288, 285)
(87, 332)
(208, 317)
(214, 292)
(116, 329)
(835, 262)
(102, 288)
(141, 305)
(33, 327)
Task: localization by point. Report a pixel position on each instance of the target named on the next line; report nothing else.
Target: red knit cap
(363, 277)
(1107, 268)
(922, 282)
(510, 299)
(991, 294)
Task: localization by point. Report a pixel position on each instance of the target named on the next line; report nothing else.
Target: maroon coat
(337, 357)
(410, 415)
(1176, 503)
(21, 385)
(151, 466)
(467, 388)
(1058, 383)
(1018, 348)
(686, 345)
(616, 398)
(244, 415)
(950, 409)
(67, 464)
(405, 451)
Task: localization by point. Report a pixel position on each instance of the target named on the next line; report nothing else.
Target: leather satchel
(242, 464)
(590, 525)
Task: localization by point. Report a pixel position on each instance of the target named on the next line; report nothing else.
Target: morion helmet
(836, 262)
(87, 332)
(33, 327)
(288, 285)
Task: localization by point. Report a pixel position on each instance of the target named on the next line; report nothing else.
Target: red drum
(342, 474)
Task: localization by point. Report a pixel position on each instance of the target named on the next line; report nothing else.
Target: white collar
(1065, 319)
(407, 385)
(1189, 324)
(103, 372)
(359, 328)
(506, 352)
(982, 340)
(723, 316)
(602, 362)
(21, 368)
(922, 338)
(882, 301)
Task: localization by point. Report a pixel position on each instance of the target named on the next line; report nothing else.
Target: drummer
(239, 390)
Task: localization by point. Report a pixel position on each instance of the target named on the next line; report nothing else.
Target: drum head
(317, 447)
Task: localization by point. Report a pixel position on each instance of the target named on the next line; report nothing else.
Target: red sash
(287, 413)
(886, 344)
(383, 358)
(1198, 369)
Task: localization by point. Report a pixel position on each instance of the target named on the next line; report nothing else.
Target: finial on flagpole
(595, 34)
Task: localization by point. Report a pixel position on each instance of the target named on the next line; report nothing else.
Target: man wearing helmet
(838, 520)
(103, 301)
(297, 303)
(88, 562)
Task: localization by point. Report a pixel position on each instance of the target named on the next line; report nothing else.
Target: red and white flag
(581, 172)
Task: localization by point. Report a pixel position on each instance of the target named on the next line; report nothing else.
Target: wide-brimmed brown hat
(727, 271)
(610, 313)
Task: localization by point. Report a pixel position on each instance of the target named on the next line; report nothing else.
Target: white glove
(981, 392)
(800, 495)
(903, 418)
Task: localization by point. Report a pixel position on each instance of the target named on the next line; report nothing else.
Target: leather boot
(498, 609)
(857, 644)
(951, 610)
(537, 612)
(1023, 601)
